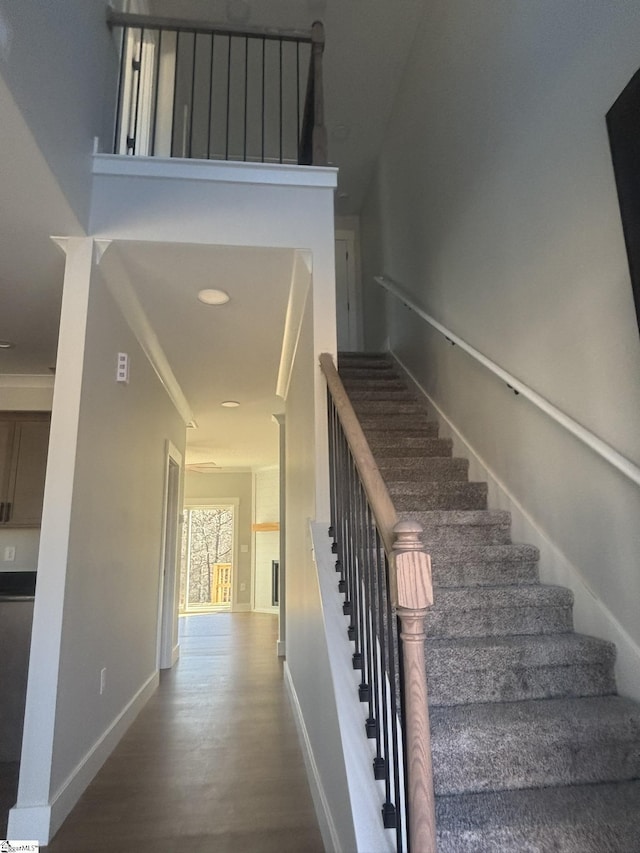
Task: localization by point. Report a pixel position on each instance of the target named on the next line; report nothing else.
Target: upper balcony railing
(191, 89)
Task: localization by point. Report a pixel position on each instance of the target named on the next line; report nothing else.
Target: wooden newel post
(414, 597)
(319, 137)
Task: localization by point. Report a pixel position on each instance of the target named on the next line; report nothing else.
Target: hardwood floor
(213, 761)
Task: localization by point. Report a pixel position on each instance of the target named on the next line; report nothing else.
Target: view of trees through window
(207, 557)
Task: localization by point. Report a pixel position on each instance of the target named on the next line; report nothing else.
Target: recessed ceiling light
(213, 297)
(6, 345)
(230, 404)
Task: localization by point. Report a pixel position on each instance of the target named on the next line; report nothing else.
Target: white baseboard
(591, 616)
(272, 610)
(323, 812)
(41, 822)
(175, 654)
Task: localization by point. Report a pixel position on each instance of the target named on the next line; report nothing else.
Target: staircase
(533, 751)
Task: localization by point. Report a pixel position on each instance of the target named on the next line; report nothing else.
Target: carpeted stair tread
(384, 395)
(423, 469)
(450, 528)
(386, 444)
(390, 381)
(373, 371)
(361, 359)
(518, 667)
(483, 565)
(498, 746)
(599, 818)
(532, 748)
(410, 424)
(500, 611)
(384, 408)
(408, 496)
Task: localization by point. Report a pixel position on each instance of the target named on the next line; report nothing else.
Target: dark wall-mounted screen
(623, 124)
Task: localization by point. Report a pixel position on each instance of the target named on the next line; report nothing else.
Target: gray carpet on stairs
(533, 751)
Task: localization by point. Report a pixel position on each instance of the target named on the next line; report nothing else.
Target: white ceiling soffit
(31, 267)
(367, 45)
(217, 353)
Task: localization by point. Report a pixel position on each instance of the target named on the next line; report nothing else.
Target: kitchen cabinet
(24, 441)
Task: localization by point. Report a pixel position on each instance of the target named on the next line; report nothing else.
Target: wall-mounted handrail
(604, 450)
(384, 573)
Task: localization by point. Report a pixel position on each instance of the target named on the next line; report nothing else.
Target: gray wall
(494, 204)
(113, 569)
(60, 62)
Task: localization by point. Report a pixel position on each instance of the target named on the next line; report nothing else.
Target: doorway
(207, 564)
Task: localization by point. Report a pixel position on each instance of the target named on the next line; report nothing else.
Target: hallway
(212, 764)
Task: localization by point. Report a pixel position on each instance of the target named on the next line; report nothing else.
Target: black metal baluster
(116, 136)
(388, 809)
(139, 70)
(393, 653)
(226, 150)
(155, 95)
(175, 94)
(297, 96)
(213, 36)
(280, 100)
(357, 596)
(246, 86)
(365, 685)
(263, 85)
(375, 715)
(193, 92)
(340, 510)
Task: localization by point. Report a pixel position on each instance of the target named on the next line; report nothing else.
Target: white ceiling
(216, 354)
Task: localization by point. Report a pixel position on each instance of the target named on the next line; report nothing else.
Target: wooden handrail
(372, 482)
(411, 590)
(129, 19)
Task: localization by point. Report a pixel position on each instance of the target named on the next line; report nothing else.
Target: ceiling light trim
(213, 296)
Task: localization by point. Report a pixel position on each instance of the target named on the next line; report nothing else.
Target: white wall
(100, 552)
(61, 67)
(212, 487)
(494, 204)
(307, 661)
(267, 542)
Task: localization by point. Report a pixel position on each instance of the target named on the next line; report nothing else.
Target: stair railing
(197, 90)
(385, 576)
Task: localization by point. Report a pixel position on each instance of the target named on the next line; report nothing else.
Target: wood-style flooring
(212, 763)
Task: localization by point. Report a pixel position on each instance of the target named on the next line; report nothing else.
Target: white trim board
(275, 174)
(323, 812)
(590, 614)
(43, 821)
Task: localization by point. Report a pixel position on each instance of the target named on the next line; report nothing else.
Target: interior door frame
(221, 503)
(353, 291)
(168, 647)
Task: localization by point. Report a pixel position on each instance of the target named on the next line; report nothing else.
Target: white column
(31, 816)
